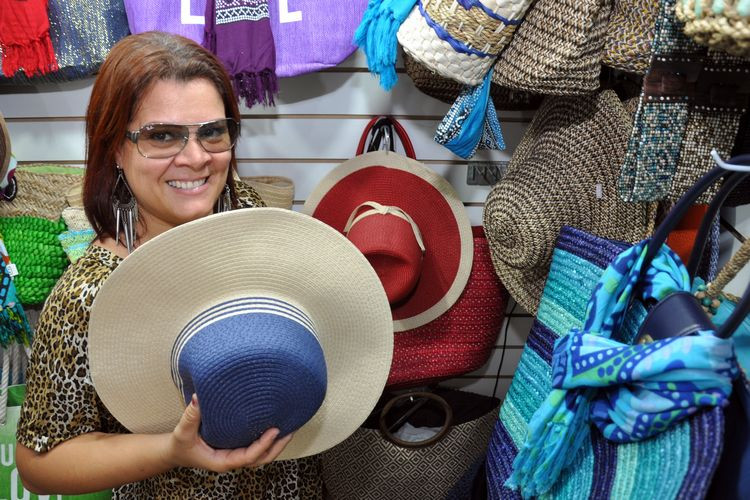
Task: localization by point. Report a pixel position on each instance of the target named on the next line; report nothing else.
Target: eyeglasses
(162, 140)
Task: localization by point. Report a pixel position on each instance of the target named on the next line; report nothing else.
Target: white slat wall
(315, 125)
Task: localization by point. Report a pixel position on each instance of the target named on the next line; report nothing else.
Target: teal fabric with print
(643, 389)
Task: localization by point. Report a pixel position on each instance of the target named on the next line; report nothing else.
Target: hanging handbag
(415, 445)
(601, 467)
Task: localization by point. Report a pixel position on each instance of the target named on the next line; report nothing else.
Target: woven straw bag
(457, 39)
(372, 465)
(42, 191)
(629, 35)
(557, 49)
(447, 90)
(721, 25)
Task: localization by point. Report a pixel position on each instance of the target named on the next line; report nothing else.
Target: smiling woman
(161, 128)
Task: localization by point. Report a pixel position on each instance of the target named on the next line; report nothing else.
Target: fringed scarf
(239, 33)
(24, 38)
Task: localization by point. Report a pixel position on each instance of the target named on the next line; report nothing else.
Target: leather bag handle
(675, 216)
(400, 131)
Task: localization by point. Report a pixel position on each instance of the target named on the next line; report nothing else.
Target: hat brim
(391, 179)
(162, 285)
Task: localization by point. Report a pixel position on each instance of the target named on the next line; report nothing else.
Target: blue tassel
(376, 36)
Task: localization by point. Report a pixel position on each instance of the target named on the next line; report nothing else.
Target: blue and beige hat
(271, 317)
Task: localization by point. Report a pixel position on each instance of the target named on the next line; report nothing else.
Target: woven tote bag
(721, 25)
(377, 462)
(461, 339)
(677, 463)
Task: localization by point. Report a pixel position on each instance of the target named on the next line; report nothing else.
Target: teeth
(187, 185)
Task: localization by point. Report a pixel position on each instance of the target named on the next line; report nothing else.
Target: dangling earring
(224, 203)
(125, 210)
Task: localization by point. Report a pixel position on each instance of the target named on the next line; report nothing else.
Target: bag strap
(675, 216)
(727, 187)
(400, 131)
(730, 270)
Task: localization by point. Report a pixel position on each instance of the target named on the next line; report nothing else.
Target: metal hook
(736, 167)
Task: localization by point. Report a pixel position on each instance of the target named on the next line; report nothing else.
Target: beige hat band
(473, 27)
(378, 209)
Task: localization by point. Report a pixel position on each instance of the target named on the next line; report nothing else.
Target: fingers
(277, 447)
(191, 418)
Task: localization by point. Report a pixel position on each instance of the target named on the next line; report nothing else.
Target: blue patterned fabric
(646, 388)
(471, 122)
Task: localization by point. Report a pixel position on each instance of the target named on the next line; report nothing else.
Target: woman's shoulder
(247, 196)
(82, 279)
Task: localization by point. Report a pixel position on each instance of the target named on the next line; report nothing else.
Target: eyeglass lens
(162, 140)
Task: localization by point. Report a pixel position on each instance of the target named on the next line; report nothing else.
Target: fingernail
(194, 400)
(275, 433)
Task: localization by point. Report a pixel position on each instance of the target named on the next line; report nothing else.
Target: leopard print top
(61, 402)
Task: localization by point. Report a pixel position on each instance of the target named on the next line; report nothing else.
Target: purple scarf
(239, 33)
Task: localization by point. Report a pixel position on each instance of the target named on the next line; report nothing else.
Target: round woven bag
(718, 25)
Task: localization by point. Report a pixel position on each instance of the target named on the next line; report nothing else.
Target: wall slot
(485, 173)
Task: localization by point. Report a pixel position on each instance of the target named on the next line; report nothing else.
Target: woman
(161, 127)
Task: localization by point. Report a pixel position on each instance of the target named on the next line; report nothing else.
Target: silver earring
(224, 204)
(125, 210)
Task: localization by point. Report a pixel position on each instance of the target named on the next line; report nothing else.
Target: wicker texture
(719, 25)
(368, 467)
(572, 149)
(558, 48)
(629, 35)
(41, 191)
(447, 90)
(5, 148)
(476, 37)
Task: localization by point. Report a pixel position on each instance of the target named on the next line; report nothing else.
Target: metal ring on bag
(425, 397)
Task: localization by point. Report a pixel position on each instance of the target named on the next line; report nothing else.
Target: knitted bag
(723, 25)
(676, 463)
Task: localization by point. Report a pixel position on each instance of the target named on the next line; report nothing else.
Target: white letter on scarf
(186, 17)
(288, 17)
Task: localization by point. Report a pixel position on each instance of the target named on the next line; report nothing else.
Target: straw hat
(558, 48)
(410, 224)
(630, 31)
(457, 41)
(564, 172)
(5, 149)
(271, 317)
(276, 191)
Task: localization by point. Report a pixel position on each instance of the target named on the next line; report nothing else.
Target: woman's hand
(187, 449)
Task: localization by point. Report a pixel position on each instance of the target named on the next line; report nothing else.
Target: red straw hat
(393, 207)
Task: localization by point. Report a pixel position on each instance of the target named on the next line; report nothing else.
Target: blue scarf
(376, 36)
(630, 392)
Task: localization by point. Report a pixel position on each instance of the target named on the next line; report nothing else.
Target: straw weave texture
(558, 48)
(570, 154)
(629, 35)
(727, 30)
(41, 191)
(472, 27)
(447, 90)
(274, 190)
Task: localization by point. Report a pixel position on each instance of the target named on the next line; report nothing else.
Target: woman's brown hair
(133, 65)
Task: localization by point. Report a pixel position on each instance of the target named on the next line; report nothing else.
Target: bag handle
(400, 131)
(673, 218)
(727, 187)
(424, 398)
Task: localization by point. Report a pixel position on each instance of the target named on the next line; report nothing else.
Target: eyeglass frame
(133, 136)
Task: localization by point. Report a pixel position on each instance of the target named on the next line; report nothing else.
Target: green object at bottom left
(10, 483)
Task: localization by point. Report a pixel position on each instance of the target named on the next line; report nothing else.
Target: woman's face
(184, 187)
